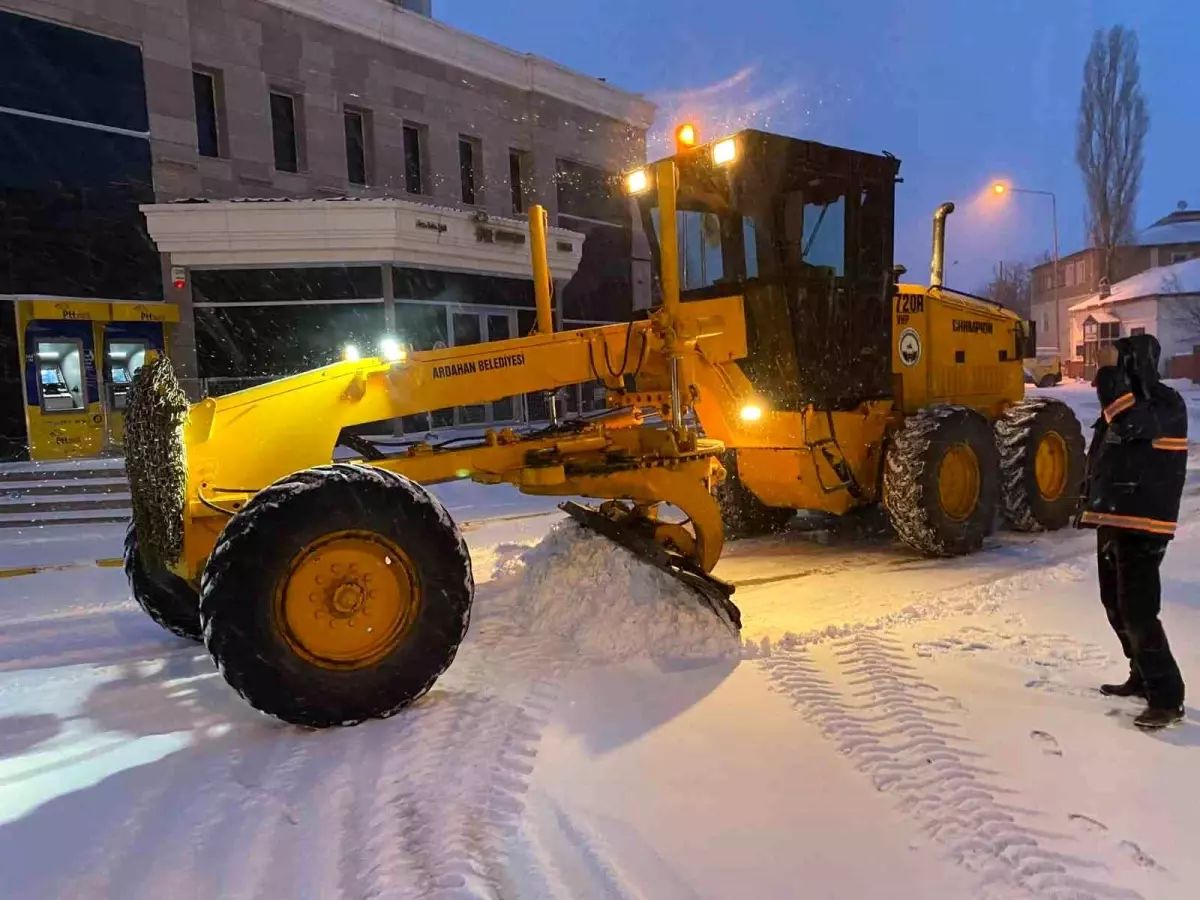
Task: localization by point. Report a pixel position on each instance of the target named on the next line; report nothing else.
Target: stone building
(109, 104)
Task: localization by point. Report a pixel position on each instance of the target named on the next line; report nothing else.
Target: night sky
(962, 91)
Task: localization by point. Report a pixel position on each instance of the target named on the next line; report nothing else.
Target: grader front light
(724, 152)
(637, 182)
(392, 350)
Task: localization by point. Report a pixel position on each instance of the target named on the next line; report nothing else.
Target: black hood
(1139, 356)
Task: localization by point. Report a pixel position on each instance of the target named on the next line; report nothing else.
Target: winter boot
(1131, 688)
(1154, 718)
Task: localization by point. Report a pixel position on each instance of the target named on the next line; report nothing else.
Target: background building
(1163, 301)
(108, 105)
(1172, 239)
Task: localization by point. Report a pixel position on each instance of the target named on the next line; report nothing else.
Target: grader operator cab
(784, 368)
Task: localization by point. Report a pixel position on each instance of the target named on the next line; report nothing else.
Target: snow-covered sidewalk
(892, 727)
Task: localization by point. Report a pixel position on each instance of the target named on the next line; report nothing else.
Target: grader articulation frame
(330, 593)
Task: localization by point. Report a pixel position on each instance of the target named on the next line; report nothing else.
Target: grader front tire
(1041, 464)
(336, 595)
(163, 596)
(941, 481)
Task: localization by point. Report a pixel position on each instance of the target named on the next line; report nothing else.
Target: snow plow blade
(635, 534)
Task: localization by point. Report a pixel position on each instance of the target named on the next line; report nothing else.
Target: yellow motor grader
(783, 368)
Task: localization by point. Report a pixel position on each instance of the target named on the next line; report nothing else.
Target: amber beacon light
(685, 136)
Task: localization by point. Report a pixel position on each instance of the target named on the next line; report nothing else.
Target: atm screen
(120, 376)
(51, 376)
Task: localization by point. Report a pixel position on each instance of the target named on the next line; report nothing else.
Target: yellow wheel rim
(347, 600)
(958, 482)
(1050, 466)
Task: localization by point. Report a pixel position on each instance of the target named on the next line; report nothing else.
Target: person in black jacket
(1136, 468)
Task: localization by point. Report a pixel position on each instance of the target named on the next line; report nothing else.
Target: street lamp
(1000, 188)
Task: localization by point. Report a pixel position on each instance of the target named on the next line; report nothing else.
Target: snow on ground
(895, 727)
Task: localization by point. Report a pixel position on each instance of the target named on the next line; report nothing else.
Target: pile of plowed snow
(609, 605)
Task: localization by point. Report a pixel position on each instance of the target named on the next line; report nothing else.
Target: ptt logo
(65, 312)
(62, 439)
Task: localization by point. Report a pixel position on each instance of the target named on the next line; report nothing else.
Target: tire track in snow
(900, 731)
(120, 846)
(181, 824)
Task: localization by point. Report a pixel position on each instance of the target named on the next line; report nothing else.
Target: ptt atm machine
(80, 358)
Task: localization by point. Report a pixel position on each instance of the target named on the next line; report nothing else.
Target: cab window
(815, 232)
(60, 375)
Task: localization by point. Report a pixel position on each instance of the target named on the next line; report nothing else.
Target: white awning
(242, 234)
(1101, 318)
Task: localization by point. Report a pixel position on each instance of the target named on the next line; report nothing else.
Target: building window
(588, 192)
(357, 144)
(1079, 351)
(1134, 332)
(205, 88)
(69, 186)
(518, 172)
(469, 156)
(283, 131)
(414, 166)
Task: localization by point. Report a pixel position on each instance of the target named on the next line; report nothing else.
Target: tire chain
(155, 462)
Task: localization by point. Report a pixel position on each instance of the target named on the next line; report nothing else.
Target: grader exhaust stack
(938, 268)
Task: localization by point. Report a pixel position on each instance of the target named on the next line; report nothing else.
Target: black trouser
(1132, 595)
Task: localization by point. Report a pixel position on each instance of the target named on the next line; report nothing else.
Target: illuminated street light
(999, 188)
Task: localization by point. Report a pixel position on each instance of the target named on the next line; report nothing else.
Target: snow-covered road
(895, 727)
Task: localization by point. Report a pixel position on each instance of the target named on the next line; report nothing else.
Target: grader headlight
(392, 350)
(724, 152)
(637, 182)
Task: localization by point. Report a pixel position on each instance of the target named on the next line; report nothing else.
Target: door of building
(475, 325)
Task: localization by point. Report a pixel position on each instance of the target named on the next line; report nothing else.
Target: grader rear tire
(163, 596)
(743, 514)
(941, 481)
(1041, 464)
(336, 595)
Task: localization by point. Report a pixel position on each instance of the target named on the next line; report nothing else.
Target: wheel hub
(347, 600)
(959, 482)
(1051, 464)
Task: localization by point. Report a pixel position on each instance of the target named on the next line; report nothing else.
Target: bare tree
(1179, 306)
(1113, 121)
(1011, 286)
